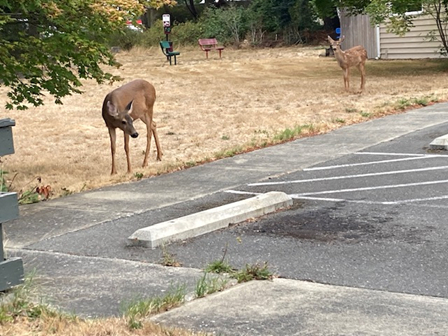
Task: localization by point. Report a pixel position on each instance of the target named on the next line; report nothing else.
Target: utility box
(11, 270)
(6, 142)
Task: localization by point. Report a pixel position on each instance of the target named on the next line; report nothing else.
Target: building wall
(415, 44)
(358, 31)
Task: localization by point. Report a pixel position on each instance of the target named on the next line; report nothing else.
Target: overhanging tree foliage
(46, 47)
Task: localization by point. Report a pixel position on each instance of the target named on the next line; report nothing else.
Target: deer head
(336, 44)
(122, 120)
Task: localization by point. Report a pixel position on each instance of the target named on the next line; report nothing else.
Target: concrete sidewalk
(101, 273)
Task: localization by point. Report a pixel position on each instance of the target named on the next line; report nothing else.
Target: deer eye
(123, 122)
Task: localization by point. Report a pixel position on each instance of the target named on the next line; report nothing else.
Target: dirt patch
(331, 224)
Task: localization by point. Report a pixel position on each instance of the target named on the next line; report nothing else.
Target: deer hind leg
(148, 140)
(156, 138)
(112, 135)
(126, 149)
(362, 70)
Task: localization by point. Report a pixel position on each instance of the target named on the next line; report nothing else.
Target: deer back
(356, 55)
(135, 99)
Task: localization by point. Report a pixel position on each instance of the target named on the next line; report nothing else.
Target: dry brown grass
(205, 107)
(66, 326)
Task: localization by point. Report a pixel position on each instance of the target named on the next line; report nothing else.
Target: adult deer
(134, 100)
(355, 56)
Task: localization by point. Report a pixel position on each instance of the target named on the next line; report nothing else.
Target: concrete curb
(209, 220)
(439, 143)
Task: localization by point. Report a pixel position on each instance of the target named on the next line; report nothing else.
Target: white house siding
(415, 44)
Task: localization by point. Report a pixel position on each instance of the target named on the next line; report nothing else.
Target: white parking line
(348, 176)
(326, 199)
(391, 186)
(373, 162)
(395, 154)
(408, 157)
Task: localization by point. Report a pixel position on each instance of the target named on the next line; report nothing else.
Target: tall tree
(46, 47)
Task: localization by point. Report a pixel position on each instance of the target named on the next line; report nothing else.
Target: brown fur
(355, 56)
(134, 100)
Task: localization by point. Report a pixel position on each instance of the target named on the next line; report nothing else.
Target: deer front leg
(346, 79)
(126, 149)
(156, 138)
(112, 136)
(148, 140)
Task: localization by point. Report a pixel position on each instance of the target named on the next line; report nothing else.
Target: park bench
(210, 44)
(167, 49)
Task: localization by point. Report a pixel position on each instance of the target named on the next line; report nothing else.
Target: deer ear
(342, 39)
(129, 107)
(330, 39)
(112, 109)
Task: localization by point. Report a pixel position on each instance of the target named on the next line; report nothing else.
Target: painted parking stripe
(373, 162)
(326, 199)
(320, 179)
(395, 154)
(404, 185)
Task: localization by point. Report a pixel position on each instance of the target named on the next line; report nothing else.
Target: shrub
(126, 39)
(152, 36)
(228, 25)
(188, 33)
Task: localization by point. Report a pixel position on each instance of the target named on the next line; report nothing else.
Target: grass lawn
(206, 110)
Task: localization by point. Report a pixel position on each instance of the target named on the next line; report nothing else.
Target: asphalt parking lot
(373, 219)
(368, 213)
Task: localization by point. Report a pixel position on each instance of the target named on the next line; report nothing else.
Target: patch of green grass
(351, 110)
(17, 302)
(138, 176)
(253, 272)
(3, 185)
(403, 104)
(365, 114)
(219, 266)
(288, 134)
(28, 197)
(190, 164)
(209, 284)
(339, 120)
(225, 137)
(137, 310)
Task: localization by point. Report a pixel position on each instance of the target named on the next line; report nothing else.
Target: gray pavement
(356, 281)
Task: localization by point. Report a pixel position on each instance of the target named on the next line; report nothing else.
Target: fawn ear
(330, 39)
(342, 39)
(129, 107)
(112, 109)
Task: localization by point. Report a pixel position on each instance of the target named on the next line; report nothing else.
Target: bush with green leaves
(188, 33)
(228, 24)
(126, 39)
(151, 37)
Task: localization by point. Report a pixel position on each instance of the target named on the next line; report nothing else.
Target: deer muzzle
(134, 135)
